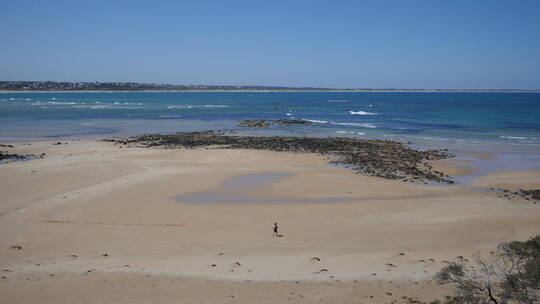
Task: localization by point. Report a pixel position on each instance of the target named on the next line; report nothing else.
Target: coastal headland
(188, 217)
(74, 87)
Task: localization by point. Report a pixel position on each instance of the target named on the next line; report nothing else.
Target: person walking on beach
(275, 230)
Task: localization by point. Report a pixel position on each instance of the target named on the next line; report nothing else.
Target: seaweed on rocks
(9, 157)
(532, 194)
(380, 158)
(255, 123)
(292, 122)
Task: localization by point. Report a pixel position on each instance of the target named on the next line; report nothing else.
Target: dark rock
(255, 123)
(535, 193)
(292, 122)
(4, 156)
(385, 159)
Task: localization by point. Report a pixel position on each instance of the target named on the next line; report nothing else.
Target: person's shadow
(279, 235)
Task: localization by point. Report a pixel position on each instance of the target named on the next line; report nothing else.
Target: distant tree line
(130, 86)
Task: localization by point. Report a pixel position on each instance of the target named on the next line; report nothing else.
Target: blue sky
(353, 44)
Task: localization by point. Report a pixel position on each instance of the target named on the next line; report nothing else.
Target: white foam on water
(350, 124)
(355, 124)
(41, 103)
(514, 137)
(316, 121)
(180, 107)
(216, 106)
(170, 116)
(361, 113)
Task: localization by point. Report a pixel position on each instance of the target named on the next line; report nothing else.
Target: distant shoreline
(278, 91)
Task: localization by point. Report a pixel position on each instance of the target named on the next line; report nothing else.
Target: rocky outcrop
(380, 158)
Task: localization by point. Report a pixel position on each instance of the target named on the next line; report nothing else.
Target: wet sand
(110, 223)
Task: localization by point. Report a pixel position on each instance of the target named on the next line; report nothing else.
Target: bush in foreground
(510, 275)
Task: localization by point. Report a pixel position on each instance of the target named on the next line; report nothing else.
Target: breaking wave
(350, 124)
(361, 113)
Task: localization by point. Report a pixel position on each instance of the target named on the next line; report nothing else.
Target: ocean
(495, 118)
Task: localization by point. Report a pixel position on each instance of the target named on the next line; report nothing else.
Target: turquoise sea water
(512, 118)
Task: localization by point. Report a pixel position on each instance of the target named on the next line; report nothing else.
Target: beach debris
(221, 253)
(16, 247)
(72, 255)
(390, 265)
(322, 270)
(315, 259)
(105, 255)
(236, 264)
(213, 265)
(89, 271)
(401, 253)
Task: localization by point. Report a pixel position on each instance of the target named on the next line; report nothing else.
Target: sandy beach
(98, 222)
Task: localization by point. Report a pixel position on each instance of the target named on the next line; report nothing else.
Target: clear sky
(354, 44)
